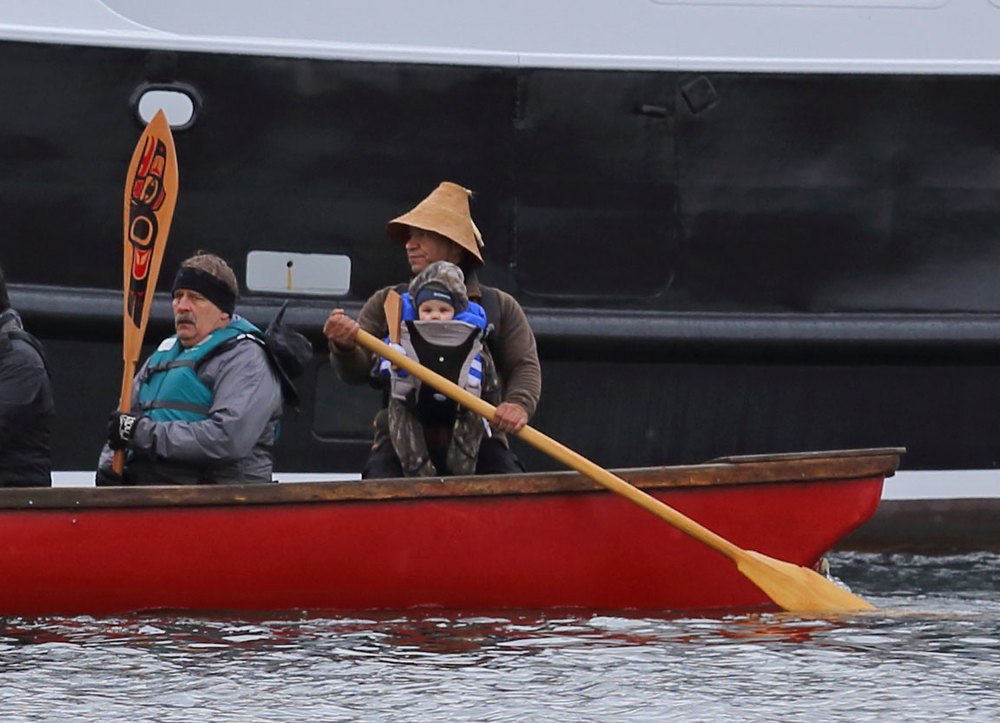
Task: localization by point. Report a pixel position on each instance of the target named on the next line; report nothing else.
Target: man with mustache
(440, 228)
(206, 404)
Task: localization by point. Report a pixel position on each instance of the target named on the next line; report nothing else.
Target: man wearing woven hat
(440, 228)
(206, 404)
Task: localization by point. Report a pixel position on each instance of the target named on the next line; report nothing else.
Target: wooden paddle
(150, 195)
(792, 587)
(393, 308)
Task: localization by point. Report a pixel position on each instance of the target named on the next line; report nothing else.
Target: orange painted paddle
(792, 587)
(150, 195)
(393, 308)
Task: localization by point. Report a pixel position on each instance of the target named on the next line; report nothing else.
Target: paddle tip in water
(798, 589)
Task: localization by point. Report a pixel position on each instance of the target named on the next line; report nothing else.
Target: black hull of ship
(714, 263)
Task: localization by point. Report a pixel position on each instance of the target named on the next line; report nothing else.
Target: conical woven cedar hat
(445, 211)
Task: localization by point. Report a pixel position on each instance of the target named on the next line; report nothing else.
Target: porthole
(179, 103)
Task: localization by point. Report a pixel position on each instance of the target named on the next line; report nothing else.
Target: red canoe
(520, 541)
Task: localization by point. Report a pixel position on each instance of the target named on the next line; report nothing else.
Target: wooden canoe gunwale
(748, 470)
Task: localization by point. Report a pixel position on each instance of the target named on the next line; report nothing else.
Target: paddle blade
(150, 195)
(393, 307)
(798, 589)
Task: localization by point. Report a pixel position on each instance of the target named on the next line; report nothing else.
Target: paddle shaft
(792, 587)
(125, 402)
(555, 449)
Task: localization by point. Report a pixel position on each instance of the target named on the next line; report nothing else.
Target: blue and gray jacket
(169, 386)
(209, 412)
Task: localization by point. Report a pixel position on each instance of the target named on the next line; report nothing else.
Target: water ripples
(932, 652)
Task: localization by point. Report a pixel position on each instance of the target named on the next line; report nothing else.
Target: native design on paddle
(150, 196)
(145, 200)
(792, 587)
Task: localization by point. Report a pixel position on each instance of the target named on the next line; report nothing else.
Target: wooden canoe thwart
(515, 541)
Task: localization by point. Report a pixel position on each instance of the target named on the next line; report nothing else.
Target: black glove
(120, 428)
(106, 477)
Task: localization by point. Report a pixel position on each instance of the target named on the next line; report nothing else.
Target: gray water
(931, 653)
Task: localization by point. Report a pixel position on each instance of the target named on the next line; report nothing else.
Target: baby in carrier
(444, 331)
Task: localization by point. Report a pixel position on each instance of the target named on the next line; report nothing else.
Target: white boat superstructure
(859, 36)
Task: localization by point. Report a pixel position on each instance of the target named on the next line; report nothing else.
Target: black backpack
(288, 351)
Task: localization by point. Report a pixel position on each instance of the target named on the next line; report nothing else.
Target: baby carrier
(454, 349)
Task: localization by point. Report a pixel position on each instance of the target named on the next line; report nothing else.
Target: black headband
(212, 288)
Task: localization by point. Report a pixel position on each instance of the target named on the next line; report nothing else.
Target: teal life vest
(170, 389)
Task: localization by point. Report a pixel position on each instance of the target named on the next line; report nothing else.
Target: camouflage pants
(410, 442)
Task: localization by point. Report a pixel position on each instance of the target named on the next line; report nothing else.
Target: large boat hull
(553, 540)
(797, 244)
(725, 241)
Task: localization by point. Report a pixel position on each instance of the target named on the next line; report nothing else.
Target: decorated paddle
(150, 195)
(792, 587)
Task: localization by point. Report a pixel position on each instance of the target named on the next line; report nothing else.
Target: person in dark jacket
(206, 404)
(26, 406)
(440, 228)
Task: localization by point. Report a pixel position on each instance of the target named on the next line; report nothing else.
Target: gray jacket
(234, 444)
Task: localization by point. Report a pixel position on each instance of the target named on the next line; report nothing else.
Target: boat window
(296, 273)
(177, 106)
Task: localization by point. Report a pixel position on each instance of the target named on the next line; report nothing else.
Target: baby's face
(435, 310)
